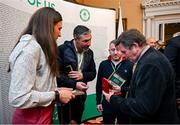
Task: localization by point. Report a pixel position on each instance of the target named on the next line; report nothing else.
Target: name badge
(116, 79)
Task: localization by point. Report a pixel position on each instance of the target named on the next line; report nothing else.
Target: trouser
(108, 118)
(72, 111)
(122, 118)
(177, 83)
(38, 115)
(178, 106)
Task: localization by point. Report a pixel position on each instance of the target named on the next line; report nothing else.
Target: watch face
(56, 95)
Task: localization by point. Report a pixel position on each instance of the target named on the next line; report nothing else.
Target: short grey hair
(129, 37)
(80, 30)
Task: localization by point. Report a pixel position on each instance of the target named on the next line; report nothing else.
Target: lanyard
(114, 68)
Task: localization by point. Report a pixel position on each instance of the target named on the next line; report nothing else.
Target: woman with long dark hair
(34, 68)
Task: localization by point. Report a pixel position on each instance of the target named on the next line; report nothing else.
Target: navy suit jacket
(152, 91)
(172, 52)
(67, 56)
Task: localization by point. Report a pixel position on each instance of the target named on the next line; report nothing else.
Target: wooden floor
(97, 120)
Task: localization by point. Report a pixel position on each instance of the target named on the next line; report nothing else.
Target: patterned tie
(134, 67)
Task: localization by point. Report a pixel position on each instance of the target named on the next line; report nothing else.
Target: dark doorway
(170, 29)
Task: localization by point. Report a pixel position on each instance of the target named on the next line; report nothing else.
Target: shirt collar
(75, 46)
(142, 52)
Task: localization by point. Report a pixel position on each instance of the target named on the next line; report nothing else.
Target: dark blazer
(172, 52)
(67, 56)
(152, 91)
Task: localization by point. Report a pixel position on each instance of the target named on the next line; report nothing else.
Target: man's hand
(76, 75)
(65, 94)
(116, 88)
(99, 107)
(108, 96)
(81, 86)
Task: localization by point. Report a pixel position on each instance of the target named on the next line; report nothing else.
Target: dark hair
(41, 26)
(128, 38)
(80, 30)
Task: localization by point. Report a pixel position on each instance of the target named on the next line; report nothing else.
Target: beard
(85, 49)
(116, 58)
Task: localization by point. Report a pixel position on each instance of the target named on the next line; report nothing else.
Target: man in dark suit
(77, 67)
(172, 52)
(151, 96)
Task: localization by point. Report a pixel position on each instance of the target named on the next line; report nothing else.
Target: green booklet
(116, 79)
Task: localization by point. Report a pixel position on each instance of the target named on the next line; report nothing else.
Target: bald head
(151, 42)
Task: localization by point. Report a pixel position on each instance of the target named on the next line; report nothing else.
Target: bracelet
(56, 96)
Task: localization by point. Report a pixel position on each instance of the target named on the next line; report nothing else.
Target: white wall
(14, 15)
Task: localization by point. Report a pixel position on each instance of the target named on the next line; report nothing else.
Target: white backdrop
(14, 15)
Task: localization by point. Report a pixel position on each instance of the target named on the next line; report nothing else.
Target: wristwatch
(56, 96)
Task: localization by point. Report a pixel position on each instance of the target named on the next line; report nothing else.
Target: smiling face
(57, 30)
(151, 42)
